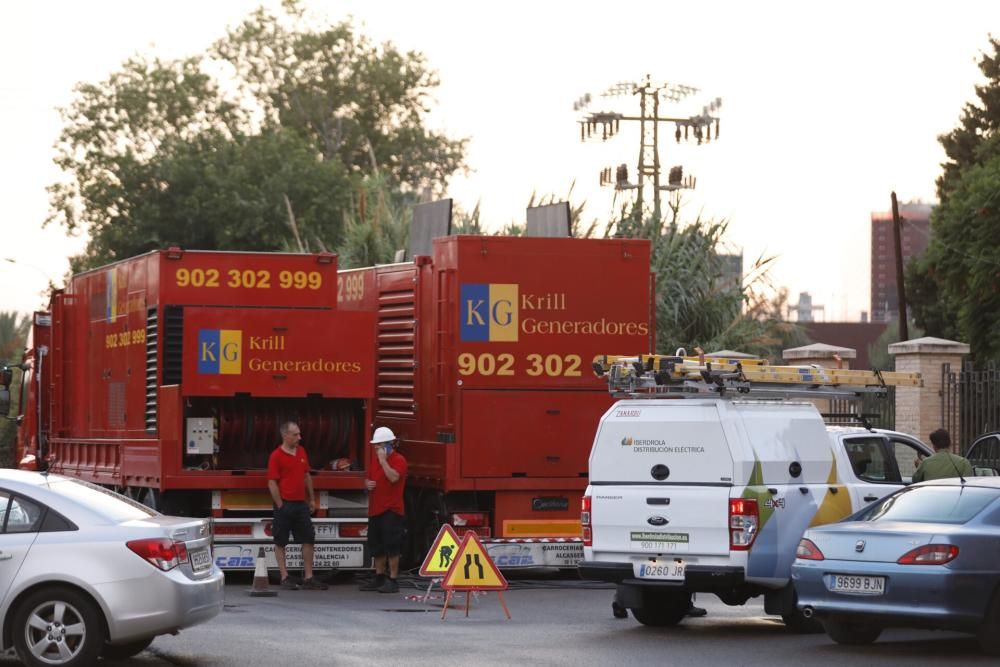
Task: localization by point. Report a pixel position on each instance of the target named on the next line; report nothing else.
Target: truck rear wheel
(662, 610)
(851, 632)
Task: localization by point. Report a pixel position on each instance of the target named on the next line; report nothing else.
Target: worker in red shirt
(291, 490)
(386, 480)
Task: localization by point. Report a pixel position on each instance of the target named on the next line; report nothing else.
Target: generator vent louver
(173, 344)
(396, 349)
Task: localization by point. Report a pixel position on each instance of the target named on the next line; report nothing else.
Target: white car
(85, 572)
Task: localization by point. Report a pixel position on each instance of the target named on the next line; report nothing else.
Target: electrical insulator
(583, 136)
(686, 127)
(716, 128)
(604, 131)
(677, 134)
(617, 123)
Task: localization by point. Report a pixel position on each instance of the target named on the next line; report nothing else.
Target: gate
(970, 401)
(878, 410)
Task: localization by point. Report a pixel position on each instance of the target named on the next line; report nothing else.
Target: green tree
(256, 144)
(953, 288)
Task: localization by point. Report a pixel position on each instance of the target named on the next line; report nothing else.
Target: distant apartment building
(915, 231)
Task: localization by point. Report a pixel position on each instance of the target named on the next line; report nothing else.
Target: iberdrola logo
(626, 442)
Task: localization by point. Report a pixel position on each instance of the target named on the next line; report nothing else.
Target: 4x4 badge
(657, 521)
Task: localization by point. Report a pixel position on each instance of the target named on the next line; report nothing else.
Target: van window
(908, 457)
(868, 459)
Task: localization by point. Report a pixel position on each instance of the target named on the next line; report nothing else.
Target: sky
(826, 109)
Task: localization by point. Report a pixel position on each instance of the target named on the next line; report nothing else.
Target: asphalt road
(553, 623)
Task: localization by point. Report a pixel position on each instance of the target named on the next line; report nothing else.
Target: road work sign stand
(473, 570)
(439, 558)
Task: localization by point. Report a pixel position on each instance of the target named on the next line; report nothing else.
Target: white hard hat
(383, 434)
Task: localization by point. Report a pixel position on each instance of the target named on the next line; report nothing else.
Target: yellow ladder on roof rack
(681, 374)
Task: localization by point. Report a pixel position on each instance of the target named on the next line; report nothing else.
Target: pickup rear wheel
(662, 610)
(851, 632)
(57, 626)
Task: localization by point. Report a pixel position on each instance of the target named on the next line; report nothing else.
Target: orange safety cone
(260, 588)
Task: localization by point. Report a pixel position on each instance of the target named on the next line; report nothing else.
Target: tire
(662, 610)
(989, 632)
(114, 652)
(51, 611)
(851, 633)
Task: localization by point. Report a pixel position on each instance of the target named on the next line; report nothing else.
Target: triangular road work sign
(441, 554)
(472, 569)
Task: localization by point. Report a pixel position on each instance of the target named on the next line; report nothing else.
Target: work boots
(374, 584)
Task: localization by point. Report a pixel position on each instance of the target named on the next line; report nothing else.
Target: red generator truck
(484, 369)
(166, 377)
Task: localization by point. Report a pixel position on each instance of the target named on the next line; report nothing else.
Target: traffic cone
(260, 588)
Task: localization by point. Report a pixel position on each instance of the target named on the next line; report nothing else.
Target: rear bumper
(915, 596)
(697, 578)
(161, 603)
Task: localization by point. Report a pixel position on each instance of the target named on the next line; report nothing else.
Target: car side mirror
(982, 471)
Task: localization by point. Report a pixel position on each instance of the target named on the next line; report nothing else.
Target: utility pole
(904, 333)
(606, 125)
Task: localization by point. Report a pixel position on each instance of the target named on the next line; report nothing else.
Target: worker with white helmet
(386, 479)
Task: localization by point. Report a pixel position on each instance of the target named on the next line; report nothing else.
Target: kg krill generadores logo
(652, 446)
(489, 312)
(220, 351)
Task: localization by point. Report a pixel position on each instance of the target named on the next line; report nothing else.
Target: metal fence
(879, 411)
(970, 401)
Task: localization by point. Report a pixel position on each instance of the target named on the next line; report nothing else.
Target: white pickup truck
(711, 495)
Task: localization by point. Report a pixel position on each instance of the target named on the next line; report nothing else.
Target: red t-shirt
(387, 495)
(289, 471)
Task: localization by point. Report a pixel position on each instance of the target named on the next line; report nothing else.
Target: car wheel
(989, 632)
(57, 626)
(662, 610)
(125, 651)
(854, 633)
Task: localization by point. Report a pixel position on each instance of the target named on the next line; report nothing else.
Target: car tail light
(469, 519)
(807, 550)
(588, 536)
(744, 519)
(930, 554)
(353, 530)
(160, 552)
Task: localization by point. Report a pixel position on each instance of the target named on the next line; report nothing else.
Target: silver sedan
(85, 572)
(923, 557)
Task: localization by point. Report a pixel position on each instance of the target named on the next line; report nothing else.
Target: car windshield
(932, 504)
(114, 506)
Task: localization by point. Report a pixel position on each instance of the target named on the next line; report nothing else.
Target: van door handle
(869, 499)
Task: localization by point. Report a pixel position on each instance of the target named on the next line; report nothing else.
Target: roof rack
(679, 376)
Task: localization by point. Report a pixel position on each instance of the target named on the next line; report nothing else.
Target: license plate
(200, 559)
(667, 570)
(856, 585)
(325, 529)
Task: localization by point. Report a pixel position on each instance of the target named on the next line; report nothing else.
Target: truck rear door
(661, 476)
